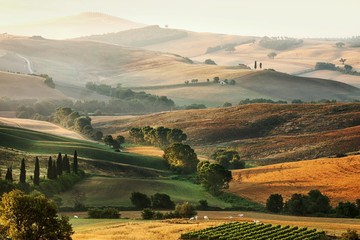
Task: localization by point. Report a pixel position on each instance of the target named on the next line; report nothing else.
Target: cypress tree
(8, 175)
(54, 170)
(50, 169)
(66, 164)
(37, 172)
(255, 65)
(59, 164)
(75, 164)
(22, 171)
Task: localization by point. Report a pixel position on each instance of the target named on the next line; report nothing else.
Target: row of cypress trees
(55, 169)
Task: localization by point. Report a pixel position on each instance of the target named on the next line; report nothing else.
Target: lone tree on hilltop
(342, 60)
(272, 55)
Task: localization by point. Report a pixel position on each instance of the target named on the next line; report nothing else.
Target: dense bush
(162, 201)
(185, 210)
(140, 200)
(275, 203)
(228, 158)
(110, 213)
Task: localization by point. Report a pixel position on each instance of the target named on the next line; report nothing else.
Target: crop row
(253, 231)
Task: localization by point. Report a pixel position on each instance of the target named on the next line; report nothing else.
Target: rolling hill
(73, 63)
(83, 24)
(262, 133)
(20, 86)
(334, 177)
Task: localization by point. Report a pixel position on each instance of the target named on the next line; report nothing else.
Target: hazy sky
(301, 18)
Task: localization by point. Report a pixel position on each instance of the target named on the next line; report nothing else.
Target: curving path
(31, 71)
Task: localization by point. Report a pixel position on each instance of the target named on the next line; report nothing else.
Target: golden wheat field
(132, 229)
(338, 178)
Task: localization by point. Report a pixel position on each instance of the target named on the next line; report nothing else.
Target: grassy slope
(118, 191)
(334, 177)
(267, 133)
(125, 172)
(42, 143)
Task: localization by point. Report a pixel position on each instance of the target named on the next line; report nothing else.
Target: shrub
(109, 213)
(147, 214)
(185, 210)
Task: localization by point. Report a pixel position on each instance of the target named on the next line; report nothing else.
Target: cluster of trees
(161, 201)
(314, 203)
(63, 175)
(182, 159)
(279, 43)
(347, 69)
(31, 217)
(228, 158)
(71, 119)
(260, 100)
(160, 136)
(114, 143)
(229, 47)
(62, 165)
(157, 201)
(140, 101)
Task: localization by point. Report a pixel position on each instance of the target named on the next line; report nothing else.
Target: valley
(222, 127)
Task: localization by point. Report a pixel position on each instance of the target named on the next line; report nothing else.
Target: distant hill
(74, 62)
(73, 26)
(262, 133)
(140, 37)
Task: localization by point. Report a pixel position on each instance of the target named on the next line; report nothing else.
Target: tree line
(160, 136)
(71, 119)
(61, 171)
(312, 204)
(140, 101)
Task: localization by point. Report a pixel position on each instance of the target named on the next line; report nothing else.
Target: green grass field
(42, 144)
(118, 191)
